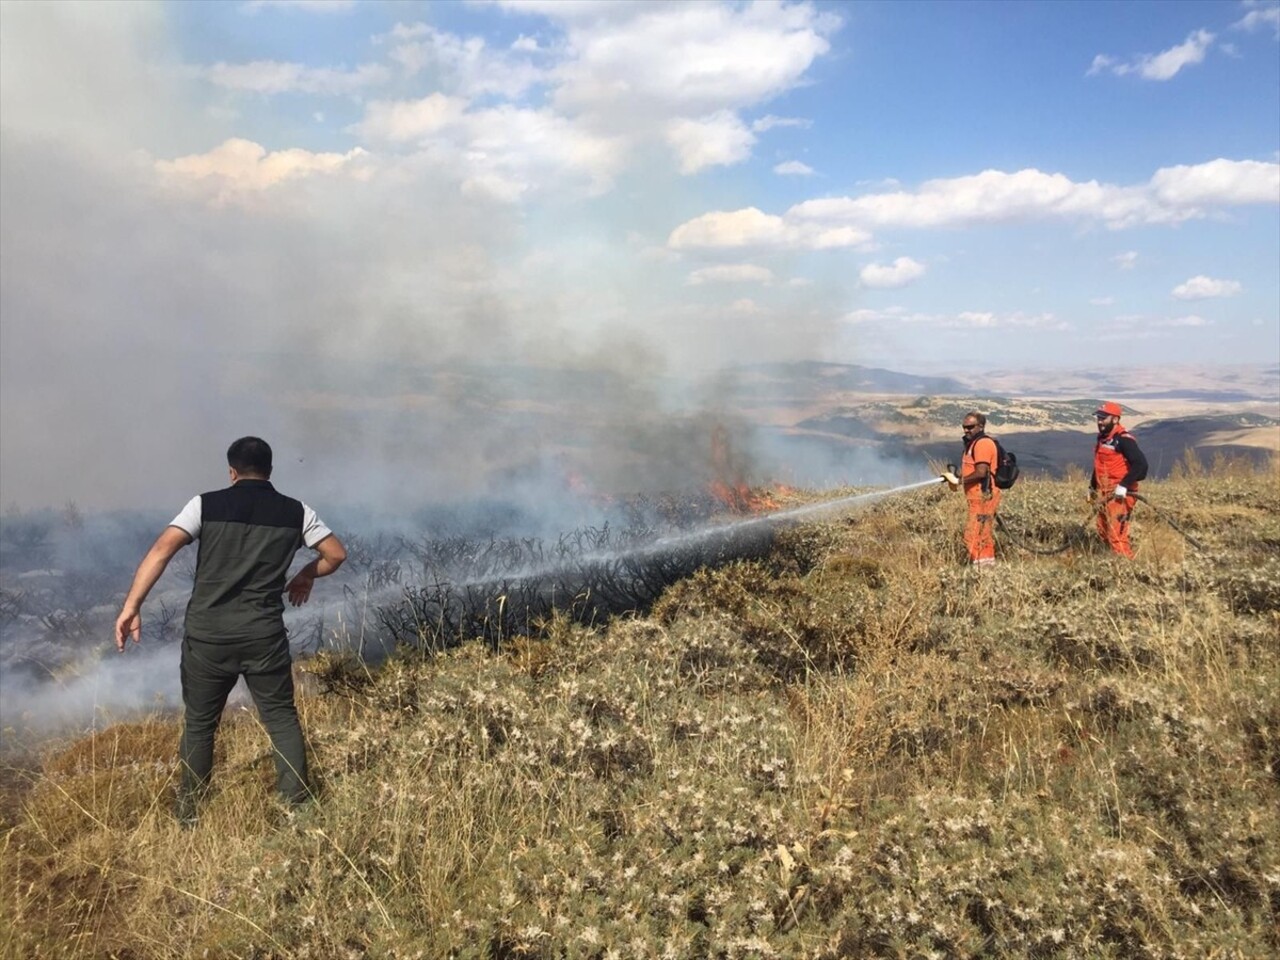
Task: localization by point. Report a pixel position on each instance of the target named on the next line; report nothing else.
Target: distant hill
(1238, 383)
(809, 377)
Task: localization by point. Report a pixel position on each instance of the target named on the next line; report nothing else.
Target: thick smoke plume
(411, 346)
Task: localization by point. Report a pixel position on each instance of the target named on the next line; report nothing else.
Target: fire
(742, 499)
(728, 479)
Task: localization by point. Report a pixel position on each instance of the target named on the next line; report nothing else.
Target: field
(851, 746)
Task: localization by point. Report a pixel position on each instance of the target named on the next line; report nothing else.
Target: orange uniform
(983, 497)
(1117, 462)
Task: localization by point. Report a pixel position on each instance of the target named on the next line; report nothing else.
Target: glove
(949, 475)
(1121, 492)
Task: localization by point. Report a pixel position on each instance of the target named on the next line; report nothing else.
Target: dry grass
(854, 747)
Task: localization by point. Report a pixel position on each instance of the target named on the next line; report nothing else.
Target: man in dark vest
(234, 626)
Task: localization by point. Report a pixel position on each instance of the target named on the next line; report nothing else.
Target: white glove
(1121, 492)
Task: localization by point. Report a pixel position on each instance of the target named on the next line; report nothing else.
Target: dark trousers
(209, 672)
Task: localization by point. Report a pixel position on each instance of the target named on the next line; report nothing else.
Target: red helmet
(1110, 408)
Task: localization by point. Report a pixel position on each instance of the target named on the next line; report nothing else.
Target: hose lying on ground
(1080, 536)
(1076, 537)
(1169, 520)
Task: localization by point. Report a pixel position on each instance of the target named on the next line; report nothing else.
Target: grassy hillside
(854, 747)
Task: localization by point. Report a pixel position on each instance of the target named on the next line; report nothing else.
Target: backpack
(1006, 466)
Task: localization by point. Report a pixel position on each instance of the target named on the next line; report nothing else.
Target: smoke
(406, 336)
(372, 313)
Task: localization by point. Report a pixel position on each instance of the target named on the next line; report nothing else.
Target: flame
(728, 482)
(742, 499)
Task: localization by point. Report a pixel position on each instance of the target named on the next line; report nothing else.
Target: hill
(851, 745)
(812, 378)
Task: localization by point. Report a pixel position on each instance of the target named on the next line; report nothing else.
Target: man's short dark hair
(250, 455)
(979, 418)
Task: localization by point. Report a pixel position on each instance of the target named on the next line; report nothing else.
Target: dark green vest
(249, 534)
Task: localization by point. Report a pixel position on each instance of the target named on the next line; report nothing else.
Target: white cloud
(400, 121)
(987, 197)
(1205, 288)
(901, 272)
(537, 148)
(1102, 301)
(504, 152)
(464, 66)
(238, 167)
(793, 168)
(1126, 260)
(689, 59)
(272, 77)
(1173, 195)
(1165, 66)
(737, 228)
(1159, 66)
(965, 320)
(730, 273)
(769, 121)
(721, 139)
(620, 74)
(1259, 17)
(1217, 182)
(751, 227)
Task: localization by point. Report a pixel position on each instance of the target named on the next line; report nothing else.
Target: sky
(219, 218)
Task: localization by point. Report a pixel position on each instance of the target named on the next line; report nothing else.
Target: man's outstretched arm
(332, 553)
(129, 623)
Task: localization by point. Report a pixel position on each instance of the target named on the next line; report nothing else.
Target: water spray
(592, 586)
(808, 511)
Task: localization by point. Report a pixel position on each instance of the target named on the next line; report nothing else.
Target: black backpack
(1006, 466)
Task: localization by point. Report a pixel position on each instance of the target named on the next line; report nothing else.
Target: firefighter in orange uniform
(1118, 465)
(977, 478)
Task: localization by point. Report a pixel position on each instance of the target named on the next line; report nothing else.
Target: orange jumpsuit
(1117, 459)
(979, 532)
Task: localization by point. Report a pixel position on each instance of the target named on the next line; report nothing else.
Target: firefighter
(977, 479)
(1118, 466)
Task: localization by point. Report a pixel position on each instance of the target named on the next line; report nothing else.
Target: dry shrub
(853, 747)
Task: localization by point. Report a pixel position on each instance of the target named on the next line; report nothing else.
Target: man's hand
(128, 624)
(299, 588)
(1121, 492)
(332, 554)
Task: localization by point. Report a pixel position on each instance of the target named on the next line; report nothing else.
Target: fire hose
(1167, 519)
(1076, 537)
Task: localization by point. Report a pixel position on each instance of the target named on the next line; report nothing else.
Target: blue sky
(194, 190)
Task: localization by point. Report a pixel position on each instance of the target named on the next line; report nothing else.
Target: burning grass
(846, 744)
